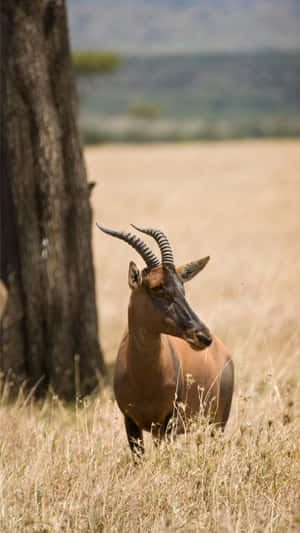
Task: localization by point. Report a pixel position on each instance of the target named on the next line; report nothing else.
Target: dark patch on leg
(135, 438)
(157, 433)
(165, 430)
(171, 425)
(226, 390)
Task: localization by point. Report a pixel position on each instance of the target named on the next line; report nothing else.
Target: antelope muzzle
(198, 338)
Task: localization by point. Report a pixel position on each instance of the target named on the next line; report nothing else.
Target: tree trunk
(49, 328)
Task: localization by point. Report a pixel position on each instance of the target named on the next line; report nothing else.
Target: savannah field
(70, 470)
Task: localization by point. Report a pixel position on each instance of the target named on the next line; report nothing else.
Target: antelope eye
(158, 288)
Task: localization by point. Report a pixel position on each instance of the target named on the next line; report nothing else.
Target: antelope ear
(189, 270)
(134, 276)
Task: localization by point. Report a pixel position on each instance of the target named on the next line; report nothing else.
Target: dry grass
(70, 471)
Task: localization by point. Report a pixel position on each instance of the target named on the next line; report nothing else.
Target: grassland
(66, 470)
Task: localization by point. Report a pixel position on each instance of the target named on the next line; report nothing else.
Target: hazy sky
(184, 25)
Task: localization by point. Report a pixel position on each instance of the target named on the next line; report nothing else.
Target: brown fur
(153, 278)
(145, 385)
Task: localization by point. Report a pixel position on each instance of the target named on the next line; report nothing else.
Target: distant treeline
(193, 96)
(89, 62)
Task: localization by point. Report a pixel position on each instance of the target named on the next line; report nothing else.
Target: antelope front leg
(166, 431)
(135, 438)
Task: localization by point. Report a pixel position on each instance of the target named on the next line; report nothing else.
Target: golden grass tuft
(69, 470)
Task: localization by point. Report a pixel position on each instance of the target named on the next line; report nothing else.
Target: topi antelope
(167, 356)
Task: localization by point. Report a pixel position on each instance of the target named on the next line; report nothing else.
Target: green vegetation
(144, 110)
(89, 62)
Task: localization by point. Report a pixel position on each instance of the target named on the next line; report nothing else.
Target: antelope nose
(205, 339)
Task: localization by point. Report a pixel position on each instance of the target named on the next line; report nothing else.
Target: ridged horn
(162, 241)
(142, 248)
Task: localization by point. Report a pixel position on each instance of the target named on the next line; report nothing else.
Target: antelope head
(158, 302)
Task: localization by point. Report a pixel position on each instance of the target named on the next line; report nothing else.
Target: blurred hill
(180, 26)
(193, 96)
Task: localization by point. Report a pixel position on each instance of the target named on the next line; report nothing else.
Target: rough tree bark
(49, 328)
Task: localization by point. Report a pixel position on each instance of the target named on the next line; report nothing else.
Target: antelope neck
(144, 345)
